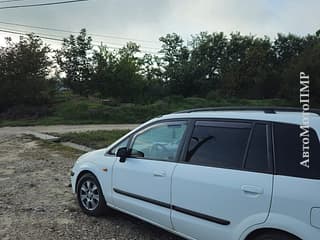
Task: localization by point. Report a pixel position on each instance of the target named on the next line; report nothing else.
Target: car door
(141, 184)
(224, 183)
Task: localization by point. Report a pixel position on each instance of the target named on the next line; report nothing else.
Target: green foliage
(288, 46)
(116, 74)
(178, 70)
(308, 62)
(75, 62)
(235, 66)
(126, 85)
(209, 52)
(24, 69)
(94, 139)
(248, 71)
(153, 83)
(238, 66)
(72, 109)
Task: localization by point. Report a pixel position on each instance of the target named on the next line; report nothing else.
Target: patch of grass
(94, 139)
(73, 109)
(66, 151)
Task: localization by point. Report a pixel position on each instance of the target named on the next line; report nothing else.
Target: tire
(90, 196)
(275, 235)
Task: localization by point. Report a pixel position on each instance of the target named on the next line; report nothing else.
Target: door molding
(173, 207)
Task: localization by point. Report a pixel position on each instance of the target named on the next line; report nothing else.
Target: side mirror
(122, 153)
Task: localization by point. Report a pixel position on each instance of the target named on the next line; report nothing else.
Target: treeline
(211, 65)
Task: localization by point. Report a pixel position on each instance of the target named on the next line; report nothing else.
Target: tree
(288, 46)
(309, 62)
(24, 71)
(178, 74)
(152, 73)
(207, 55)
(247, 70)
(104, 65)
(75, 62)
(117, 74)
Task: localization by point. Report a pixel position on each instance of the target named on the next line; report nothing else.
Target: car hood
(91, 156)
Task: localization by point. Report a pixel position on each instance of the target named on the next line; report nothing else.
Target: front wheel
(89, 195)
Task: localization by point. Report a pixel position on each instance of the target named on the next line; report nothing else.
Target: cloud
(150, 19)
(260, 18)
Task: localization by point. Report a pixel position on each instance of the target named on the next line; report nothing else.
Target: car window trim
(245, 156)
(182, 150)
(270, 148)
(268, 132)
(153, 124)
(232, 124)
(223, 124)
(129, 137)
(270, 170)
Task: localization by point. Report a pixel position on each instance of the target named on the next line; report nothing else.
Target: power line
(11, 30)
(59, 36)
(42, 4)
(25, 34)
(74, 32)
(61, 40)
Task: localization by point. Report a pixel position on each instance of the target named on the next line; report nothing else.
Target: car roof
(275, 116)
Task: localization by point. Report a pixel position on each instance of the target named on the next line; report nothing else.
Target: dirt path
(36, 201)
(64, 128)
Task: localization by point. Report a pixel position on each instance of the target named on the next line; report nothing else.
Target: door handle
(159, 174)
(252, 190)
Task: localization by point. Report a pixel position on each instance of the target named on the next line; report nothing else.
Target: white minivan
(206, 174)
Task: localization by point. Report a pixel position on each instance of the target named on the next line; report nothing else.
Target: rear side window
(218, 144)
(289, 150)
(257, 156)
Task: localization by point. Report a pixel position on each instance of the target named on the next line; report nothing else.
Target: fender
(249, 223)
(287, 224)
(101, 167)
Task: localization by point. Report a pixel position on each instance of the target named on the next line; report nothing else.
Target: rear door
(297, 177)
(224, 183)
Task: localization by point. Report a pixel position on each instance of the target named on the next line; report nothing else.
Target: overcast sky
(149, 19)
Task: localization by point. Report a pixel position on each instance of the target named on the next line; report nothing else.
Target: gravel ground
(36, 201)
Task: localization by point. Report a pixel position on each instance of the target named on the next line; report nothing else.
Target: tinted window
(218, 144)
(257, 158)
(289, 150)
(159, 142)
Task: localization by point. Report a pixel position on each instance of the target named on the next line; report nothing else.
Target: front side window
(160, 142)
(218, 144)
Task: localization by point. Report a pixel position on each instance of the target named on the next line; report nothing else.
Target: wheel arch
(259, 231)
(83, 172)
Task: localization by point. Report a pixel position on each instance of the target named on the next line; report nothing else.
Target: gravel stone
(36, 201)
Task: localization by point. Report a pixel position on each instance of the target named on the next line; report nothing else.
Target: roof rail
(251, 108)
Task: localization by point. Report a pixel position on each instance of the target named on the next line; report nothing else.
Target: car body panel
(149, 179)
(289, 210)
(219, 193)
(100, 165)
